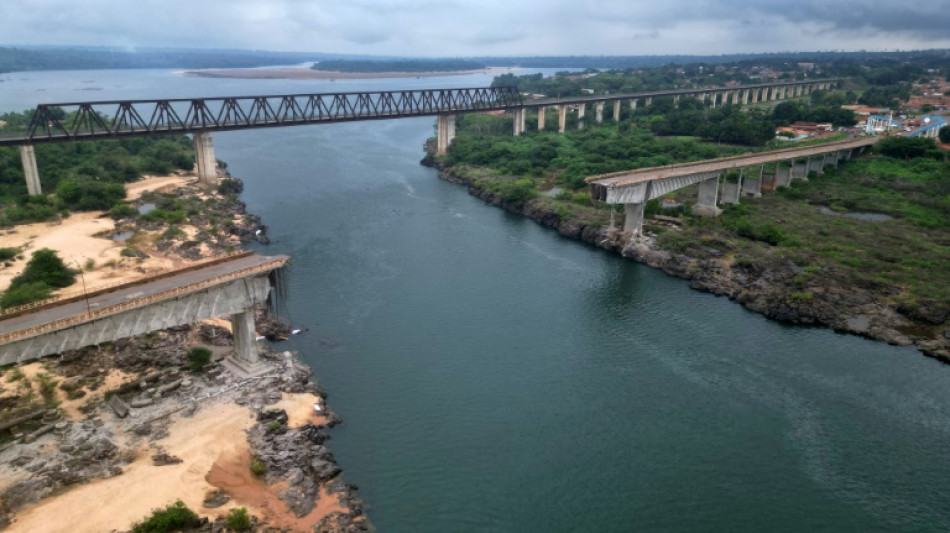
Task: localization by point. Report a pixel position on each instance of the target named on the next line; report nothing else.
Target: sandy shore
(84, 237)
(291, 73)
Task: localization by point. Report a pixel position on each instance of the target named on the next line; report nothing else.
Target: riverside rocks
(832, 301)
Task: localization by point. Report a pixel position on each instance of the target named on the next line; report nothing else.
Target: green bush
(176, 216)
(258, 468)
(908, 147)
(7, 254)
(238, 519)
(175, 517)
(46, 267)
(24, 294)
(122, 210)
(198, 357)
(86, 194)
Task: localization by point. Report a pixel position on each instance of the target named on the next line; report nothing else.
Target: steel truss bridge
(125, 118)
(77, 121)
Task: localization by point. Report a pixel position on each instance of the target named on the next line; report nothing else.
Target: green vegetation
(412, 65)
(84, 176)
(7, 254)
(907, 257)
(238, 519)
(944, 134)
(175, 517)
(258, 468)
(44, 273)
(198, 357)
(908, 147)
(566, 159)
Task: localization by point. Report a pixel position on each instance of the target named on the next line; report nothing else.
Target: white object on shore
(317, 408)
(260, 338)
(258, 232)
(295, 331)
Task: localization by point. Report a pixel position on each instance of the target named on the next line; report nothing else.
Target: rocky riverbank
(96, 439)
(774, 291)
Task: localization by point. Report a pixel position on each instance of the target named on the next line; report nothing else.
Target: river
(494, 376)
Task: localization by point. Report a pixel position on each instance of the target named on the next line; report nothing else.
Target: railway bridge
(78, 121)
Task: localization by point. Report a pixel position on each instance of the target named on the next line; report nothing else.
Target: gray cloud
(484, 27)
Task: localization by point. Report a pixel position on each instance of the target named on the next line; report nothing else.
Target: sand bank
(292, 73)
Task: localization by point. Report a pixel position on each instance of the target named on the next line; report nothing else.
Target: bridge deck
(631, 177)
(143, 293)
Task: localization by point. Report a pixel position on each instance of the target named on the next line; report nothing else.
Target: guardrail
(139, 302)
(66, 297)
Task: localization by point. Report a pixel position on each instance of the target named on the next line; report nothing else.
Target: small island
(356, 69)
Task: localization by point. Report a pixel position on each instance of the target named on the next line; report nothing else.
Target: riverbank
(295, 73)
(111, 433)
(779, 290)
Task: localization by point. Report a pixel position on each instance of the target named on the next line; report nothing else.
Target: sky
(451, 28)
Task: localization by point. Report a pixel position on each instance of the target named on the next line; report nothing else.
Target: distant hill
(61, 58)
(399, 65)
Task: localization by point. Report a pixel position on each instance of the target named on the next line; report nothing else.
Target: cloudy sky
(484, 27)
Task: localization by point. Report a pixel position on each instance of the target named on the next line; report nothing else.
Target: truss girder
(96, 120)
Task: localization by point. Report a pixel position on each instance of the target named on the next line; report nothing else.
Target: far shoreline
(298, 73)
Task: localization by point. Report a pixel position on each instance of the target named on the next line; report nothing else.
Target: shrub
(176, 216)
(198, 357)
(7, 254)
(230, 186)
(43, 273)
(122, 210)
(258, 468)
(907, 147)
(85, 194)
(238, 520)
(173, 232)
(175, 517)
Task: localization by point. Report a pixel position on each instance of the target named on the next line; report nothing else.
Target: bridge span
(633, 188)
(233, 286)
(77, 121)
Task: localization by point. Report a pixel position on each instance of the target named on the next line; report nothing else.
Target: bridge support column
(633, 105)
(32, 175)
(561, 118)
(731, 191)
(735, 97)
(708, 196)
(648, 101)
(819, 166)
(753, 186)
(445, 132)
(800, 171)
(581, 109)
(519, 125)
(541, 118)
(205, 160)
(633, 218)
(246, 362)
(784, 176)
(745, 96)
(830, 159)
(599, 112)
(616, 110)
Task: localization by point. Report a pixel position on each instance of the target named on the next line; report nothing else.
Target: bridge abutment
(205, 161)
(445, 132)
(32, 175)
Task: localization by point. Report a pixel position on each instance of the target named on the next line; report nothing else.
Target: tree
(944, 134)
(45, 267)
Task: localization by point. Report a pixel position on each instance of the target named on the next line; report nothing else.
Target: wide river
(494, 376)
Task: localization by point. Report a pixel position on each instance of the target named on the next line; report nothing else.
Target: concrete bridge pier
(616, 110)
(753, 186)
(798, 171)
(561, 118)
(205, 160)
(830, 159)
(599, 112)
(783, 175)
(706, 205)
(633, 105)
(648, 101)
(731, 191)
(541, 118)
(32, 175)
(445, 132)
(581, 109)
(519, 122)
(818, 166)
(633, 218)
(745, 96)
